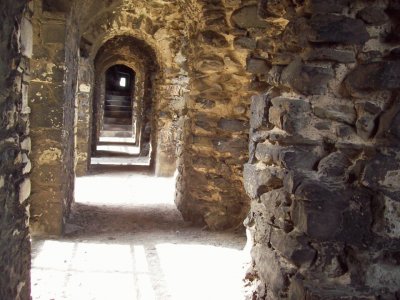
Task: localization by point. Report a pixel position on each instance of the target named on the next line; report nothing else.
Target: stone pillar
(324, 163)
(84, 111)
(217, 137)
(15, 146)
(46, 101)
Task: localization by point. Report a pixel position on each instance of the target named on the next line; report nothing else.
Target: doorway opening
(118, 124)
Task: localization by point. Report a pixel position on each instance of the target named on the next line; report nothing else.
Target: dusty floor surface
(126, 240)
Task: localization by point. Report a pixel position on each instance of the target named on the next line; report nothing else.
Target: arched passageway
(316, 149)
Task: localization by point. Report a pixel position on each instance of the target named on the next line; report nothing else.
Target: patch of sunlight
(202, 272)
(146, 290)
(65, 270)
(123, 189)
(89, 270)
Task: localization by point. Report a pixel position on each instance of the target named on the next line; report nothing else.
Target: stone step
(123, 149)
(118, 121)
(118, 108)
(116, 133)
(116, 140)
(118, 114)
(119, 98)
(121, 161)
(118, 102)
(117, 127)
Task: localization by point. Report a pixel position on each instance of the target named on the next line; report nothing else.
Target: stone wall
(216, 138)
(16, 50)
(46, 100)
(83, 116)
(323, 172)
(52, 99)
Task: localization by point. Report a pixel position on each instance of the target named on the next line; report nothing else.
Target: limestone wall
(52, 99)
(323, 172)
(15, 146)
(216, 138)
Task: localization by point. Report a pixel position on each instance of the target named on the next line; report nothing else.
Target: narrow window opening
(122, 82)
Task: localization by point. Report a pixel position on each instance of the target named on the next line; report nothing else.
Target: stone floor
(126, 240)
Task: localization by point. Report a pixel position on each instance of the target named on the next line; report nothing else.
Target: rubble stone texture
(323, 172)
(15, 146)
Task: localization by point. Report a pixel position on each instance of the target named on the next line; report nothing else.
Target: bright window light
(122, 82)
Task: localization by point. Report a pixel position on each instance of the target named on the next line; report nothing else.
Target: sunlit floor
(127, 241)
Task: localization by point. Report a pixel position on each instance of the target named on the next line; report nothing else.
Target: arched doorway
(118, 121)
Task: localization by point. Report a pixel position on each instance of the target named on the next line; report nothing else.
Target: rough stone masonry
(323, 172)
(319, 139)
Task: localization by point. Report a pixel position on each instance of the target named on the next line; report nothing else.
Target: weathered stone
(375, 76)
(307, 79)
(388, 223)
(325, 6)
(288, 114)
(259, 178)
(329, 28)
(318, 203)
(293, 246)
(245, 43)
(335, 164)
(214, 39)
(382, 173)
(373, 15)
(370, 56)
(232, 125)
(53, 33)
(341, 56)
(366, 126)
(257, 66)
(247, 17)
(340, 113)
(394, 35)
(259, 111)
(234, 146)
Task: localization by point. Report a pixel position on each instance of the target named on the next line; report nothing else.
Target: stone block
(289, 114)
(307, 79)
(331, 54)
(318, 203)
(294, 246)
(232, 125)
(46, 216)
(273, 269)
(388, 224)
(382, 173)
(373, 15)
(257, 66)
(247, 17)
(245, 43)
(236, 146)
(26, 37)
(366, 126)
(259, 111)
(268, 8)
(335, 164)
(374, 77)
(53, 33)
(325, 6)
(276, 209)
(289, 157)
(260, 178)
(214, 39)
(330, 28)
(24, 190)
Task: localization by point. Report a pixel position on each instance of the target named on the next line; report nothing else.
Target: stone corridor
(278, 120)
(127, 240)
